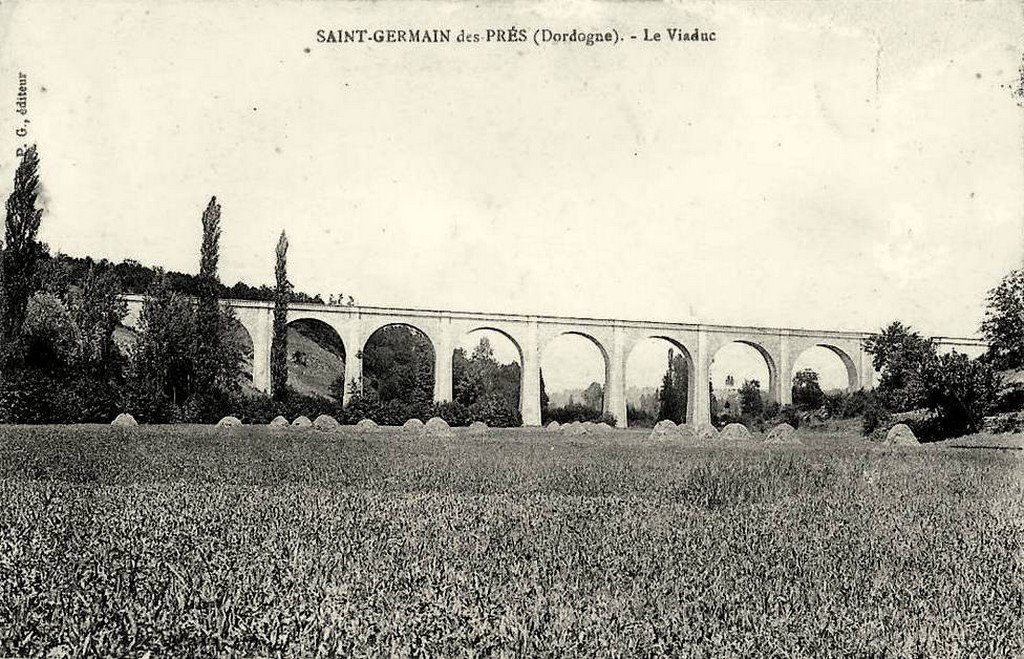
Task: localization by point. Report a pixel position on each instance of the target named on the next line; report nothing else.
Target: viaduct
(354, 325)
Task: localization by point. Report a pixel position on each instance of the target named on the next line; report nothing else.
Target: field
(247, 541)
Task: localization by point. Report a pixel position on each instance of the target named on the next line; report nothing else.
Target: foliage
(254, 542)
(845, 405)
(904, 359)
(962, 392)
(21, 252)
(398, 365)
(216, 356)
(50, 338)
(481, 377)
(97, 309)
(137, 278)
(496, 412)
(454, 412)
(29, 395)
(807, 393)
(578, 412)
(783, 414)
(168, 382)
(674, 389)
(958, 390)
(1003, 325)
(751, 401)
(876, 415)
(640, 417)
(279, 344)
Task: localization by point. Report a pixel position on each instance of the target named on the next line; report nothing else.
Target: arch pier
(614, 338)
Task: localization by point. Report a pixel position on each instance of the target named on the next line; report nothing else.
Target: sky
(821, 166)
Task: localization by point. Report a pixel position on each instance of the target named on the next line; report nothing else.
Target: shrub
(453, 412)
(876, 415)
(496, 413)
(639, 417)
(786, 414)
(844, 405)
(572, 412)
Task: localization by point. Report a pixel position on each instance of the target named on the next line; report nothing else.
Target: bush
(30, 396)
(1011, 399)
(388, 413)
(845, 405)
(786, 414)
(496, 413)
(573, 412)
(453, 412)
(876, 415)
(640, 418)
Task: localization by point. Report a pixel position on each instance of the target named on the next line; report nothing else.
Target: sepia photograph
(526, 329)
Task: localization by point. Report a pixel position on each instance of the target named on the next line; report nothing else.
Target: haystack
(553, 426)
(664, 429)
(302, 422)
(574, 429)
(735, 432)
(438, 428)
(782, 434)
(124, 419)
(589, 426)
(366, 425)
(413, 426)
(901, 435)
(326, 422)
(279, 422)
(229, 421)
(707, 432)
(477, 428)
(687, 434)
(603, 427)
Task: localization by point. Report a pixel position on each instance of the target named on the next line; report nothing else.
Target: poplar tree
(218, 356)
(21, 249)
(279, 344)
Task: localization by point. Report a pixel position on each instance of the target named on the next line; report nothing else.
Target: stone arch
(505, 333)
(690, 368)
(242, 335)
(315, 368)
(605, 358)
(852, 374)
(772, 387)
(515, 344)
(378, 327)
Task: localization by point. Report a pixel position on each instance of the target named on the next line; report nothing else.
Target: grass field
(189, 540)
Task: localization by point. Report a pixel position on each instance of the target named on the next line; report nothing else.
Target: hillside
(320, 357)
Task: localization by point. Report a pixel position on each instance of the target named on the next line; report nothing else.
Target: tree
(904, 359)
(673, 393)
(398, 365)
(163, 364)
(21, 250)
(1003, 325)
(962, 391)
(51, 339)
(751, 403)
(97, 309)
(593, 396)
(807, 393)
(217, 356)
(279, 345)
